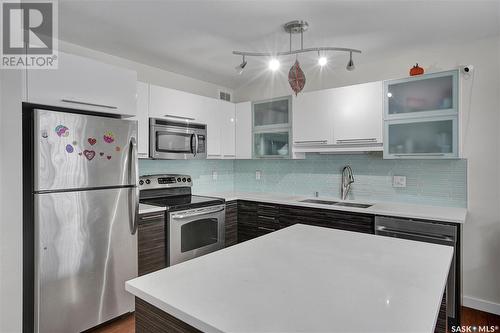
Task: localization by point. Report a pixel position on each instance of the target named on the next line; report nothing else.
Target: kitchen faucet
(347, 180)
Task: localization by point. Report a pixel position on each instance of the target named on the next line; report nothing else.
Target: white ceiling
(196, 38)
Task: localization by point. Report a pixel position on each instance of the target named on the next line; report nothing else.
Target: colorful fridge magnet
(92, 141)
(101, 153)
(45, 135)
(80, 153)
(108, 157)
(74, 143)
(69, 149)
(62, 130)
(89, 154)
(117, 148)
(109, 137)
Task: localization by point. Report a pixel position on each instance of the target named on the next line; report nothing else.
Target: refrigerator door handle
(134, 179)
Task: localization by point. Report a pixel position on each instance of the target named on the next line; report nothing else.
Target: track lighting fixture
(239, 69)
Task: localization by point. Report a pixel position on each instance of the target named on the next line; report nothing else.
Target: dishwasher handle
(381, 230)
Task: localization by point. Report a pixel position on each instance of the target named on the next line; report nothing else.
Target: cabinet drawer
(151, 243)
(267, 209)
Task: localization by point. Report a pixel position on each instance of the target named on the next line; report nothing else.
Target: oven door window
(172, 142)
(199, 233)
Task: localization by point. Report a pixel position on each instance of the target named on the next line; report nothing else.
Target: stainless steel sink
(352, 204)
(336, 203)
(321, 202)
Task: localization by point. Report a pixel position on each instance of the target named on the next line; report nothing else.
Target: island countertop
(305, 279)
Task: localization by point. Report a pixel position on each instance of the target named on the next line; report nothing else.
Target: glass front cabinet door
(271, 121)
(421, 116)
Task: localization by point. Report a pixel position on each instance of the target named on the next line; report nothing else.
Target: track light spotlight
(350, 65)
(239, 69)
(274, 64)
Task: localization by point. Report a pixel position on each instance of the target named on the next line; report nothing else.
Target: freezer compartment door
(73, 151)
(84, 253)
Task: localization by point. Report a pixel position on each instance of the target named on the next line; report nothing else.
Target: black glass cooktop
(182, 202)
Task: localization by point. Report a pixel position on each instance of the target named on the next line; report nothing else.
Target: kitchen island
(299, 279)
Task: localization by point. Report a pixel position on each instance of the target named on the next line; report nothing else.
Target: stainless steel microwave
(177, 139)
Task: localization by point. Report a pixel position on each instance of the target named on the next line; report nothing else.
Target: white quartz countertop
(145, 209)
(305, 279)
(426, 212)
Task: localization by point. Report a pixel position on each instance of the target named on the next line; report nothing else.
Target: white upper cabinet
(243, 115)
(166, 102)
(142, 119)
(313, 118)
(339, 119)
(358, 114)
(228, 130)
(84, 84)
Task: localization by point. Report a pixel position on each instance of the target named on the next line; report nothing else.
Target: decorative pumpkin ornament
(416, 70)
(296, 78)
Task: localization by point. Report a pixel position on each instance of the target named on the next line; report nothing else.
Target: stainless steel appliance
(430, 232)
(85, 207)
(195, 224)
(177, 139)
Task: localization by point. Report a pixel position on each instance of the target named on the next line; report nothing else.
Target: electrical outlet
(214, 175)
(258, 174)
(398, 181)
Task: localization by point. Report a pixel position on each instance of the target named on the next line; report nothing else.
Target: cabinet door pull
(267, 218)
(178, 117)
(65, 100)
(420, 155)
(152, 217)
(266, 229)
(321, 142)
(354, 141)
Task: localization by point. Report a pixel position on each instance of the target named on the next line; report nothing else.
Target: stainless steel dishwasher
(430, 232)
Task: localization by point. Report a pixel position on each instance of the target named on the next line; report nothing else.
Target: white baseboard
(481, 304)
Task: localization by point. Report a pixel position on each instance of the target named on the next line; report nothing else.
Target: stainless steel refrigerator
(85, 219)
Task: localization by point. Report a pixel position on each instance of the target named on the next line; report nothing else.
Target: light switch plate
(399, 181)
(258, 174)
(214, 175)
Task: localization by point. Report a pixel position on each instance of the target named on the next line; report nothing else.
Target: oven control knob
(184, 179)
(189, 180)
(141, 182)
(148, 181)
(179, 179)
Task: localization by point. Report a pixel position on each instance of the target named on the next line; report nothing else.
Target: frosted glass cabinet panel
(431, 94)
(271, 145)
(271, 113)
(422, 138)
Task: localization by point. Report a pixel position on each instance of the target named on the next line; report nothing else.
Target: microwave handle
(193, 149)
(196, 145)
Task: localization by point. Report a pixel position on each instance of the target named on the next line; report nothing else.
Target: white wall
(149, 74)
(480, 133)
(10, 202)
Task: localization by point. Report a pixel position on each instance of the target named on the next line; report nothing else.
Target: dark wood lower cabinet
(256, 219)
(151, 243)
(150, 319)
(231, 226)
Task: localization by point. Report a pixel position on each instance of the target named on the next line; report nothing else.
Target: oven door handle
(194, 214)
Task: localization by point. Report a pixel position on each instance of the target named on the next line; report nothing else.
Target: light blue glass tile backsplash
(433, 182)
(199, 170)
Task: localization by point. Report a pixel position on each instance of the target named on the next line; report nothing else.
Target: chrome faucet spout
(347, 180)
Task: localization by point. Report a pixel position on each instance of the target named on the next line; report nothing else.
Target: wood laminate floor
(470, 317)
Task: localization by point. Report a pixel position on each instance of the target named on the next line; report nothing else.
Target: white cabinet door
(213, 117)
(142, 119)
(84, 84)
(166, 102)
(243, 138)
(358, 114)
(313, 114)
(228, 130)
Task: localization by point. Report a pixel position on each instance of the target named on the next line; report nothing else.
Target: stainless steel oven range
(195, 224)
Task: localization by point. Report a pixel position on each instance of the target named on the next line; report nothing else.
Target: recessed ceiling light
(274, 64)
